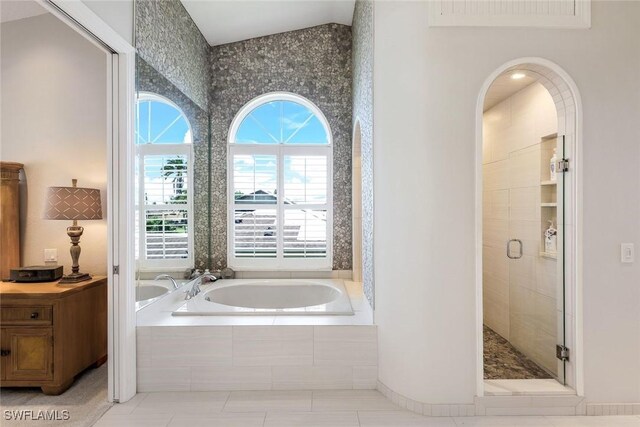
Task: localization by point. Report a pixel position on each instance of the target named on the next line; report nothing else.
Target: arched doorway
(357, 202)
(528, 280)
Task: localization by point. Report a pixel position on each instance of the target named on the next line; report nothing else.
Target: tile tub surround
(331, 408)
(314, 63)
(207, 353)
(210, 358)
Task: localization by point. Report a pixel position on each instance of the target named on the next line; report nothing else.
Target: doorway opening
(105, 95)
(528, 114)
(356, 187)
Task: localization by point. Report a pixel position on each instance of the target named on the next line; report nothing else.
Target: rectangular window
(279, 207)
(165, 220)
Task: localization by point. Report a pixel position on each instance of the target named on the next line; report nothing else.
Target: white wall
(118, 14)
(54, 121)
(427, 81)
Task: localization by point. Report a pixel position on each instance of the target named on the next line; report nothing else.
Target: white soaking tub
(269, 297)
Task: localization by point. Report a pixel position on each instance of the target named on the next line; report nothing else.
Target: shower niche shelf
(551, 255)
(548, 194)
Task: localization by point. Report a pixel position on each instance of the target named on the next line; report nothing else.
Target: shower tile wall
(519, 295)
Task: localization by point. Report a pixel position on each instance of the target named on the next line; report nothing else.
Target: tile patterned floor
(502, 361)
(330, 408)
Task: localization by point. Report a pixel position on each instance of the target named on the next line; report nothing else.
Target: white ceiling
(230, 21)
(14, 10)
(503, 87)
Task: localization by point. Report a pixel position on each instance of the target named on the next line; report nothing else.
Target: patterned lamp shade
(73, 203)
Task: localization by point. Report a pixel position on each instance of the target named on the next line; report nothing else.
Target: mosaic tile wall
(149, 79)
(363, 111)
(169, 41)
(314, 63)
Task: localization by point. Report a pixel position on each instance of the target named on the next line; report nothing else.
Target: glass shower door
(562, 175)
(552, 254)
(535, 255)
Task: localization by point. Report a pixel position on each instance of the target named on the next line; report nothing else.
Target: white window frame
(150, 149)
(280, 151)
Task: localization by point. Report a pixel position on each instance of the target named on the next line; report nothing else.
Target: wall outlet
(627, 253)
(50, 255)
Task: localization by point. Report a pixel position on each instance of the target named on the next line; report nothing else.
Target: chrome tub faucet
(195, 284)
(166, 276)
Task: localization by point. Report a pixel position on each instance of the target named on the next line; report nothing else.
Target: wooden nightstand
(49, 333)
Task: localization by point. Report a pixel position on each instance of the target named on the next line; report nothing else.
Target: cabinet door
(4, 347)
(31, 354)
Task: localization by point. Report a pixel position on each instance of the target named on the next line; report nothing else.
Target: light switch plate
(50, 255)
(627, 253)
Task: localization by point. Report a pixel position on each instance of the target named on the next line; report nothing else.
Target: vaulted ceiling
(230, 21)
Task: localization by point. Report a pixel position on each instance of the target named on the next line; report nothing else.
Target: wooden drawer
(26, 315)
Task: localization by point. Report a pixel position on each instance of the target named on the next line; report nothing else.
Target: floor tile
(312, 419)
(200, 403)
(489, 421)
(180, 397)
(351, 400)
(133, 420)
(595, 421)
(268, 401)
(401, 419)
(129, 406)
(503, 361)
(253, 419)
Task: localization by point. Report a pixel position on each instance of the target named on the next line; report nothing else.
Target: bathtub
(269, 297)
(149, 291)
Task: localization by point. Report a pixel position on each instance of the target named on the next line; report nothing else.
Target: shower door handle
(519, 255)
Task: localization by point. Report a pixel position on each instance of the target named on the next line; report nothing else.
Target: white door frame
(120, 198)
(552, 76)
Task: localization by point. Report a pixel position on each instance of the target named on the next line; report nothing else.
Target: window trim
(280, 151)
(146, 149)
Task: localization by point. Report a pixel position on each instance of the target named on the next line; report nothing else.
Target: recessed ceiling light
(518, 76)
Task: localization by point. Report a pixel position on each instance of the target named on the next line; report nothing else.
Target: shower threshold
(526, 387)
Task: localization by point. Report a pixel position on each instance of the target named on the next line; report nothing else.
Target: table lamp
(73, 203)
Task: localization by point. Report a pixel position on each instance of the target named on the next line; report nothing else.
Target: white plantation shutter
(280, 186)
(165, 205)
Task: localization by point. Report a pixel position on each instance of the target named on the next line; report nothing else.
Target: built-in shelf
(552, 255)
(548, 194)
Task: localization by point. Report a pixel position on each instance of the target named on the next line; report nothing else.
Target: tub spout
(195, 284)
(166, 276)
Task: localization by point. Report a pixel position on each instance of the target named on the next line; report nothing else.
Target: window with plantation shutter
(164, 185)
(280, 185)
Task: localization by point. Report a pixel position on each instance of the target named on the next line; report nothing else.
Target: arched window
(280, 185)
(164, 184)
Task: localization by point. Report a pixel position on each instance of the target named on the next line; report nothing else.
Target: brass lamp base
(74, 278)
